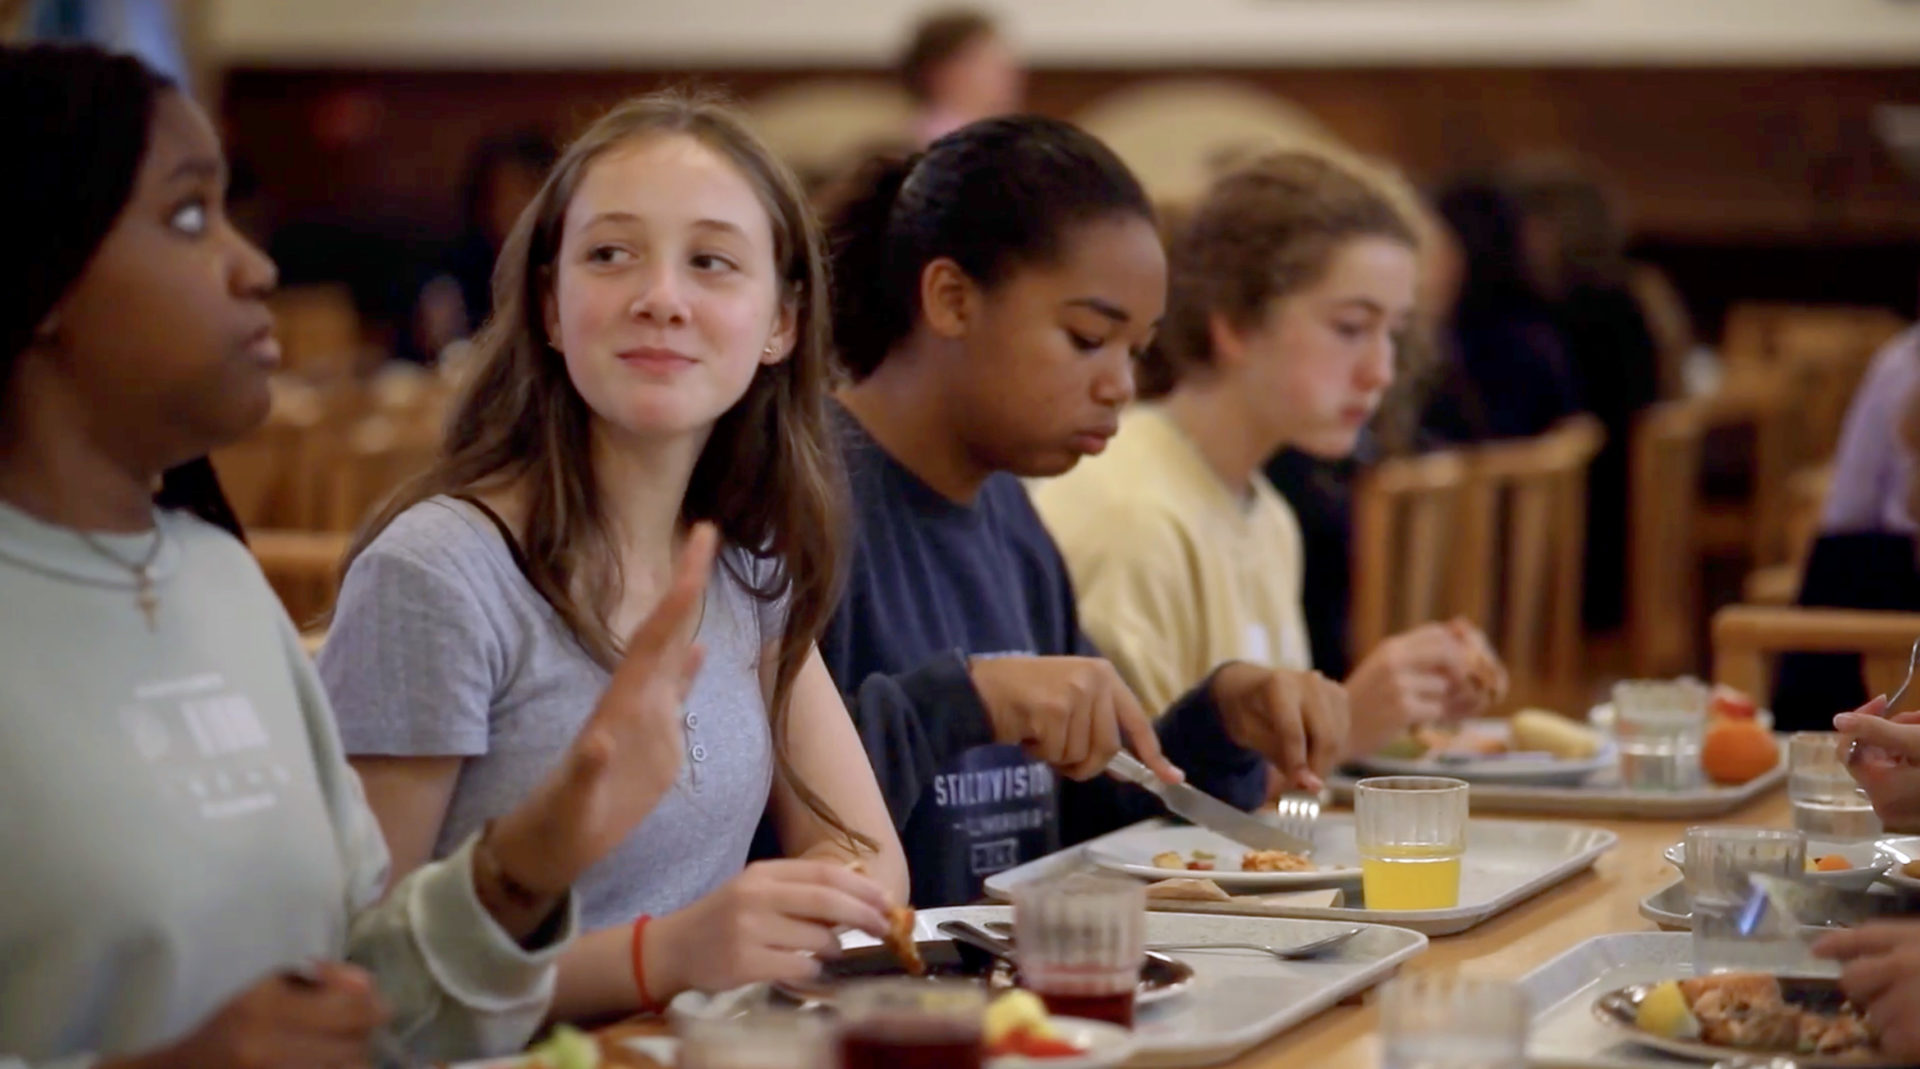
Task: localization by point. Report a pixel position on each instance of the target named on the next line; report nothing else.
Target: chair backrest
(1525, 559)
(1406, 528)
(318, 327)
(370, 463)
(1746, 638)
(1663, 574)
(261, 473)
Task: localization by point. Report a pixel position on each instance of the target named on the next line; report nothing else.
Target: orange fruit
(1736, 751)
(1831, 863)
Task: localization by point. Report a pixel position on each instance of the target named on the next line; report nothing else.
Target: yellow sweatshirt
(1175, 573)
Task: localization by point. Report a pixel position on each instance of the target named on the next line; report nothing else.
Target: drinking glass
(1658, 725)
(1827, 803)
(1412, 832)
(759, 1039)
(1719, 860)
(1082, 942)
(899, 1021)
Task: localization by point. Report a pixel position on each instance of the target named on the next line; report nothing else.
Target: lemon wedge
(1017, 1011)
(1663, 1011)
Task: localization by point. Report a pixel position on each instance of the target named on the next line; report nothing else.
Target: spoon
(1287, 953)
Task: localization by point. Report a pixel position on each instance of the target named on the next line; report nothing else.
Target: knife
(1810, 904)
(1205, 810)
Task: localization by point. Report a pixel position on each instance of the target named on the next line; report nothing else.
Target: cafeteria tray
(1564, 1032)
(1239, 998)
(1602, 796)
(1507, 862)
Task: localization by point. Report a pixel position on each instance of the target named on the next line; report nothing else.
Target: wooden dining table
(1601, 901)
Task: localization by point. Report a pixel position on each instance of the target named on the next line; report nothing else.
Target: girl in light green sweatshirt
(191, 875)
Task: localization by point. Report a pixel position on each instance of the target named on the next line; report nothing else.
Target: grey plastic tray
(1603, 797)
(1507, 862)
(1565, 1033)
(1239, 998)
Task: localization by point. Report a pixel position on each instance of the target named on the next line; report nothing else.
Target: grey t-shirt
(441, 647)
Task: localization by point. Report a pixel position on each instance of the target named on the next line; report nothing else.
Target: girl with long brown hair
(658, 358)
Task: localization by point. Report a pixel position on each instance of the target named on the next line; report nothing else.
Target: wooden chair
(1406, 527)
(1663, 574)
(302, 566)
(319, 330)
(1758, 398)
(370, 463)
(1746, 639)
(1805, 497)
(1523, 564)
(263, 474)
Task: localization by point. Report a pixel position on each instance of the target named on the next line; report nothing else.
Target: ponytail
(990, 197)
(874, 298)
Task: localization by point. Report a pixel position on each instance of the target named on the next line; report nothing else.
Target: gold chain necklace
(143, 592)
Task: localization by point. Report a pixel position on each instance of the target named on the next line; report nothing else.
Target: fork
(1299, 811)
(1893, 703)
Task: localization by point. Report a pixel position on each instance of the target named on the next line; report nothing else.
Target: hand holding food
(770, 923)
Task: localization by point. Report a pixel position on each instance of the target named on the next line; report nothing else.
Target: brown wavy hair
(1263, 231)
(769, 477)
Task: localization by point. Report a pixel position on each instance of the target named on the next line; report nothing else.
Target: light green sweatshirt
(177, 820)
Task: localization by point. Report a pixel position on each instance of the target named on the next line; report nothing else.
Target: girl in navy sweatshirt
(992, 294)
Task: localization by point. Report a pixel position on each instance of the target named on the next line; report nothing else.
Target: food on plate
(1188, 889)
(1484, 673)
(901, 942)
(1829, 863)
(1731, 704)
(565, 1048)
(1251, 861)
(1017, 1024)
(1274, 861)
(1431, 740)
(1663, 1011)
(1567, 740)
(1911, 868)
(1737, 751)
(1748, 1011)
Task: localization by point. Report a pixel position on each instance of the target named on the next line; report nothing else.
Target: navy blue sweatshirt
(931, 585)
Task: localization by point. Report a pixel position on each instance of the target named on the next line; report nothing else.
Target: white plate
(1334, 863)
(1899, 851)
(1868, 861)
(1106, 1045)
(1519, 768)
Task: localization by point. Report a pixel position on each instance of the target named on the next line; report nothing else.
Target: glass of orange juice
(1411, 831)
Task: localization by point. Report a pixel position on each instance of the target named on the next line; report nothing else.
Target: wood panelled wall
(1752, 162)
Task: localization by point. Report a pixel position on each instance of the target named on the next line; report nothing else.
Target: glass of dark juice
(897, 1023)
(1081, 942)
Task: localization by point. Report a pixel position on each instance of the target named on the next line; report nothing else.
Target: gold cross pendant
(149, 602)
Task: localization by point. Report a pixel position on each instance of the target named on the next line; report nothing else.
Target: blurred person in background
(1864, 555)
(502, 178)
(1575, 245)
(1504, 372)
(959, 68)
